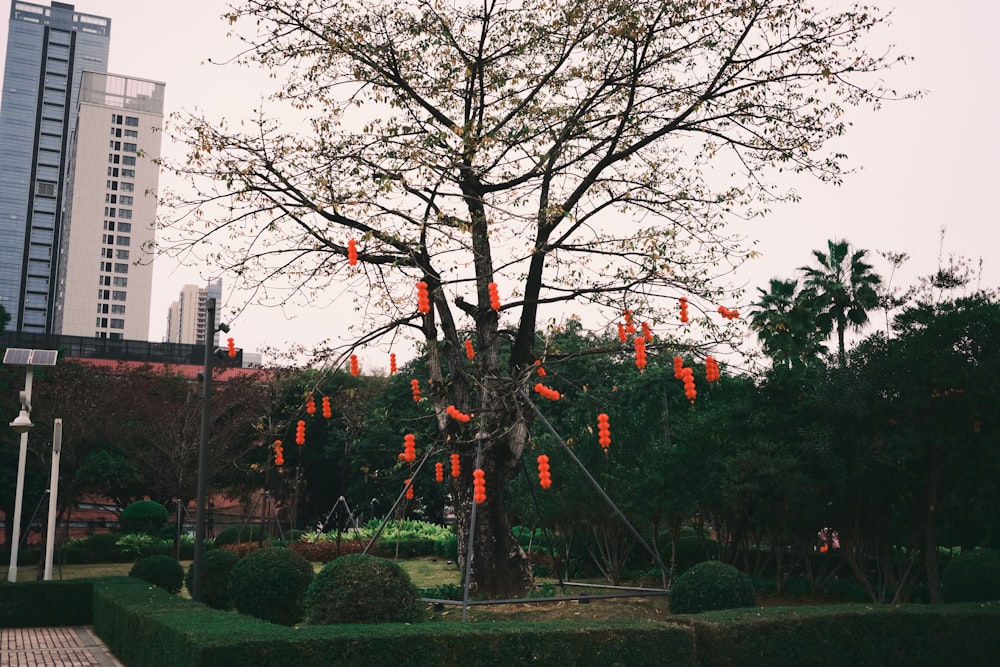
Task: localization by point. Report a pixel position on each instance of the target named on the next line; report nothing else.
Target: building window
(102, 308)
(125, 213)
(128, 173)
(45, 189)
(113, 171)
(110, 198)
(116, 119)
(131, 121)
(129, 148)
(121, 254)
(115, 145)
(117, 310)
(118, 295)
(121, 268)
(125, 227)
(110, 212)
(121, 282)
(128, 159)
(108, 225)
(128, 187)
(126, 200)
(117, 324)
(132, 134)
(124, 240)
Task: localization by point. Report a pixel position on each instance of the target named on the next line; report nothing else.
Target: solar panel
(44, 357)
(17, 356)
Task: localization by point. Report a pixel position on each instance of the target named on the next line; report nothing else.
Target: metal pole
(22, 459)
(206, 410)
(50, 536)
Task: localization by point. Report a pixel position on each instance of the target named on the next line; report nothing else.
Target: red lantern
(327, 410)
(479, 486)
(538, 367)
(728, 314)
(547, 392)
(409, 448)
(684, 309)
(409, 489)
(355, 370)
(494, 296)
(647, 333)
(622, 336)
(469, 351)
(415, 386)
(712, 370)
(457, 414)
(279, 453)
(603, 431)
(439, 472)
(352, 252)
(392, 362)
(423, 298)
(232, 347)
(310, 404)
(687, 375)
(640, 352)
(300, 433)
(544, 477)
(456, 466)
(629, 323)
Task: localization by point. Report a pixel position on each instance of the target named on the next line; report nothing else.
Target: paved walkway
(61, 647)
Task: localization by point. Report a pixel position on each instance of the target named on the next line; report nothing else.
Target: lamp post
(206, 413)
(15, 356)
(50, 535)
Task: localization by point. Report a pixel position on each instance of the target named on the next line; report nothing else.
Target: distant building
(105, 264)
(187, 318)
(48, 49)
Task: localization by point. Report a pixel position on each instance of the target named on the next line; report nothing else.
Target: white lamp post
(50, 535)
(22, 424)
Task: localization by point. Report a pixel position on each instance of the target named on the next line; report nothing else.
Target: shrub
(358, 588)
(708, 586)
(102, 548)
(446, 548)
(240, 534)
(137, 545)
(162, 571)
(143, 516)
(972, 576)
(216, 568)
(691, 550)
(270, 584)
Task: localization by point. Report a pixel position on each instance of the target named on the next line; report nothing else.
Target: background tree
(843, 290)
(787, 325)
(567, 152)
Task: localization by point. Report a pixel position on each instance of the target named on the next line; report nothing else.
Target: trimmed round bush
(708, 586)
(270, 584)
(216, 567)
(972, 576)
(360, 588)
(162, 571)
(144, 516)
(240, 534)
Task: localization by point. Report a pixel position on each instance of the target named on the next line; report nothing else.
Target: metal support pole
(22, 460)
(206, 411)
(50, 535)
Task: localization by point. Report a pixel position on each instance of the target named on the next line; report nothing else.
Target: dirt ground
(652, 608)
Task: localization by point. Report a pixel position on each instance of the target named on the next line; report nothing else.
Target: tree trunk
(930, 530)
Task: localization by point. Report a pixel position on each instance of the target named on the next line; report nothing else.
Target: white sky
(925, 164)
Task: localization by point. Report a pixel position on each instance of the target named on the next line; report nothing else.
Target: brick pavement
(56, 647)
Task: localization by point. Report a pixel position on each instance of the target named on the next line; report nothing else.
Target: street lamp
(206, 412)
(15, 356)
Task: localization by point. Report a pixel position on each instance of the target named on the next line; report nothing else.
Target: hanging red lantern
(470, 352)
(603, 431)
(409, 448)
(327, 409)
(300, 433)
(439, 472)
(647, 333)
(684, 308)
(231, 344)
(547, 392)
(279, 453)
(457, 414)
(629, 323)
(539, 368)
(456, 466)
(415, 387)
(479, 486)
(310, 404)
(728, 314)
(640, 352)
(622, 336)
(712, 370)
(687, 375)
(423, 298)
(352, 252)
(494, 296)
(355, 370)
(544, 477)
(409, 489)
(678, 368)
(392, 362)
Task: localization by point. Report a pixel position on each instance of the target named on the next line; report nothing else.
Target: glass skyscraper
(48, 49)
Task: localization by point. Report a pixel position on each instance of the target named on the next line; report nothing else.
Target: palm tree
(786, 325)
(844, 289)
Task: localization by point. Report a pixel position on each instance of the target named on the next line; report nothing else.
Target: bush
(270, 584)
(708, 586)
(240, 534)
(446, 548)
(137, 545)
(144, 516)
(216, 567)
(691, 550)
(162, 571)
(358, 588)
(972, 576)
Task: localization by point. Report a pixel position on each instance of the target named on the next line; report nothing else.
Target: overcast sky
(924, 164)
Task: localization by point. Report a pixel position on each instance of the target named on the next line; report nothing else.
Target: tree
(844, 288)
(787, 326)
(566, 152)
(4, 319)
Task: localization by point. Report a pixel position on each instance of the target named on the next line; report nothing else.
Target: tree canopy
(514, 157)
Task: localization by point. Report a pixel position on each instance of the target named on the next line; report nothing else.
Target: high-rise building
(105, 276)
(48, 49)
(187, 318)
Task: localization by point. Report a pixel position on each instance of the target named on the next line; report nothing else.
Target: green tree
(559, 151)
(4, 319)
(787, 325)
(844, 290)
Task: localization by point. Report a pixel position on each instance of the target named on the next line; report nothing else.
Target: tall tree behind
(844, 290)
(584, 151)
(786, 323)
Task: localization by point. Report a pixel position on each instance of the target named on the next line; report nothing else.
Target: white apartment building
(187, 318)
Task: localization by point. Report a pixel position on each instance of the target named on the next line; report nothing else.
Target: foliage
(359, 588)
(972, 576)
(137, 545)
(162, 571)
(39, 604)
(270, 584)
(242, 533)
(217, 565)
(144, 516)
(709, 586)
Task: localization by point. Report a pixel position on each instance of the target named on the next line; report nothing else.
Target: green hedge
(46, 603)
